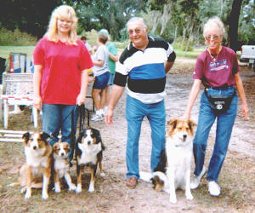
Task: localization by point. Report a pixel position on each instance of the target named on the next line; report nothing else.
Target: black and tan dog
(38, 164)
(89, 153)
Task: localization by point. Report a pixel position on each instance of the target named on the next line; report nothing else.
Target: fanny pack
(219, 103)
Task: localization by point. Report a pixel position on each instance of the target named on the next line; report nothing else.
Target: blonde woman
(60, 77)
(217, 69)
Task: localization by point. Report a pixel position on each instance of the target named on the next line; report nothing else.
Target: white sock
(105, 109)
(101, 112)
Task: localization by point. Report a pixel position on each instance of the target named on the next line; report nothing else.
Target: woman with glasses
(217, 69)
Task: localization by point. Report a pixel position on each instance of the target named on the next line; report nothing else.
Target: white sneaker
(195, 181)
(97, 117)
(213, 188)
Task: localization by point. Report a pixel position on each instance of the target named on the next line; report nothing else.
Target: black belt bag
(220, 104)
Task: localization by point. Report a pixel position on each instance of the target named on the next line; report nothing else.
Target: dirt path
(143, 198)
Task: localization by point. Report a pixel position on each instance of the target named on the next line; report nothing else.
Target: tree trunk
(233, 25)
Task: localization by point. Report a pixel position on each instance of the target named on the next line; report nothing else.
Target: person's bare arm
(168, 66)
(192, 97)
(37, 76)
(241, 93)
(115, 58)
(84, 85)
(117, 92)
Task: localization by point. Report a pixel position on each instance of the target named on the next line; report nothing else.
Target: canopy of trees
(171, 19)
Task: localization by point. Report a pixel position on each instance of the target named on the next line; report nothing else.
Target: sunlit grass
(6, 50)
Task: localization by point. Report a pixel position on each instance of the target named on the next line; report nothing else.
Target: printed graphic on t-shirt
(215, 66)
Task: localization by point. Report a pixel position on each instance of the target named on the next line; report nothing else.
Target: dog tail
(146, 176)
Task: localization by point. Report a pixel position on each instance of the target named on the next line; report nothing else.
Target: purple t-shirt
(219, 71)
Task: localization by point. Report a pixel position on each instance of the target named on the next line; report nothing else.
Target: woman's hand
(80, 99)
(244, 111)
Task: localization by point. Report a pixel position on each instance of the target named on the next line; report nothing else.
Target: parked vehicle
(248, 55)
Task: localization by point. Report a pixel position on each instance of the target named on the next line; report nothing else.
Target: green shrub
(183, 44)
(15, 38)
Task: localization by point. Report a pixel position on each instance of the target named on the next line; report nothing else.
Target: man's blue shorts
(101, 81)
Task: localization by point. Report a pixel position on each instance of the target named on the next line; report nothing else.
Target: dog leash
(82, 110)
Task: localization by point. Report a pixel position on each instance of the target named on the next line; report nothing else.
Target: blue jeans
(224, 128)
(135, 113)
(56, 118)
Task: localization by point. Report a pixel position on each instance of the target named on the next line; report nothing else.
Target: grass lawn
(5, 50)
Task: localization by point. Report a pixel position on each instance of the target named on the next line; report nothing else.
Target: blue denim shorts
(111, 79)
(101, 81)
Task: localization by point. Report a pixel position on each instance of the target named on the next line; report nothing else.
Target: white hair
(135, 20)
(216, 22)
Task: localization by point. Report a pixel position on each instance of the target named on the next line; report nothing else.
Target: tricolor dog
(89, 152)
(61, 165)
(38, 164)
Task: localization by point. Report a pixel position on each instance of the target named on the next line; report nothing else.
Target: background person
(143, 67)
(60, 77)
(101, 74)
(113, 58)
(217, 69)
(87, 45)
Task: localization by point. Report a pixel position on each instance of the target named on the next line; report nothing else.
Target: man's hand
(109, 117)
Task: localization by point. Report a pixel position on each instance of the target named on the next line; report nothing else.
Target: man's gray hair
(135, 20)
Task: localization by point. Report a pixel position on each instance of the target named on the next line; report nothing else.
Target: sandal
(131, 182)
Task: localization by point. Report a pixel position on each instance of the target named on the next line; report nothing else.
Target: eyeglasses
(136, 31)
(212, 37)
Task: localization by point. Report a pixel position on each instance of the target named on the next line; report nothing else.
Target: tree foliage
(29, 16)
(186, 19)
(170, 19)
(109, 14)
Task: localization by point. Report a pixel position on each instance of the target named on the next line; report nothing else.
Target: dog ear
(66, 146)
(26, 137)
(97, 135)
(45, 136)
(172, 124)
(55, 146)
(191, 124)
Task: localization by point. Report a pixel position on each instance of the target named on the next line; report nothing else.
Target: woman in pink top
(60, 78)
(217, 69)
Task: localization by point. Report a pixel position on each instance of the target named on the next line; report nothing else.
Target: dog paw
(189, 197)
(102, 174)
(23, 190)
(78, 189)
(27, 195)
(45, 196)
(173, 199)
(91, 188)
(57, 189)
(72, 187)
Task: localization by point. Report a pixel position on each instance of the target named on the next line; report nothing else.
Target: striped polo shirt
(143, 71)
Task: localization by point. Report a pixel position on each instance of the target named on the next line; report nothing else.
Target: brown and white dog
(174, 168)
(89, 152)
(61, 165)
(38, 164)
